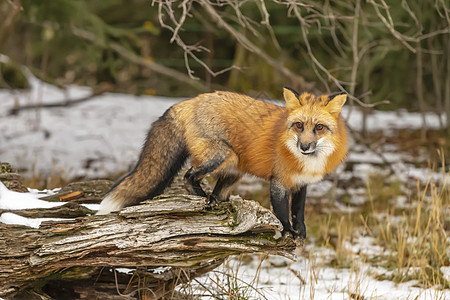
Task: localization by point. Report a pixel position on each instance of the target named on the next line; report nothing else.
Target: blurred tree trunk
(419, 89)
(447, 87)
(9, 11)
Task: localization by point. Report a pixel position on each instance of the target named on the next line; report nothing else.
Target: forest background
(386, 208)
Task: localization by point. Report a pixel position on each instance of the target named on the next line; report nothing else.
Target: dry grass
(417, 239)
(226, 282)
(412, 238)
(57, 177)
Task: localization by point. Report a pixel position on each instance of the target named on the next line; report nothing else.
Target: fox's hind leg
(194, 176)
(225, 183)
(208, 156)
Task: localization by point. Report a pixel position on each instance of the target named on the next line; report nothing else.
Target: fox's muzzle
(308, 148)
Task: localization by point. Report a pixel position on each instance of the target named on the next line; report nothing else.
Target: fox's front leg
(298, 211)
(279, 197)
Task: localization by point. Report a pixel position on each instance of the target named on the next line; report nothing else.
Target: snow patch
(10, 200)
(125, 270)
(312, 279)
(13, 200)
(446, 272)
(14, 219)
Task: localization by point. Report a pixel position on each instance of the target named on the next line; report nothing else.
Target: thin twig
(337, 82)
(390, 25)
(356, 57)
(62, 103)
(247, 44)
(131, 56)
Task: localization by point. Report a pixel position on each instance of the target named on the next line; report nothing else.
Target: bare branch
(62, 103)
(189, 50)
(338, 83)
(266, 21)
(356, 56)
(390, 25)
(182, 19)
(127, 54)
(247, 44)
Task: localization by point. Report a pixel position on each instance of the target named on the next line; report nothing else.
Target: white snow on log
(14, 219)
(14, 201)
(91, 206)
(10, 200)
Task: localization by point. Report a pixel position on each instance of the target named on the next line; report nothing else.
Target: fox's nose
(306, 147)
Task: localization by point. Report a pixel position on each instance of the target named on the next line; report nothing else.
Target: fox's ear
(292, 98)
(335, 102)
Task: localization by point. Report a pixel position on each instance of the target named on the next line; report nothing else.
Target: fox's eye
(319, 127)
(299, 125)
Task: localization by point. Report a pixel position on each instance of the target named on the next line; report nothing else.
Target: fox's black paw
(300, 228)
(212, 201)
(288, 234)
(288, 231)
(298, 232)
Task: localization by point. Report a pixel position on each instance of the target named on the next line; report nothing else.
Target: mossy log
(10, 178)
(77, 257)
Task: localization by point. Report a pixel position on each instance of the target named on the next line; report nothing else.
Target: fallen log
(77, 256)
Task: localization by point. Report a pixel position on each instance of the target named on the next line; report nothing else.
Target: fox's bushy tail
(162, 156)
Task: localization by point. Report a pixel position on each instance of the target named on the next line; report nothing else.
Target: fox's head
(312, 123)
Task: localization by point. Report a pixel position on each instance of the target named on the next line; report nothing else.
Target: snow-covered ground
(310, 278)
(104, 135)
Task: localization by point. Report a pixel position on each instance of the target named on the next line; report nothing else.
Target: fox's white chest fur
(304, 179)
(313, 170)
(313, 166)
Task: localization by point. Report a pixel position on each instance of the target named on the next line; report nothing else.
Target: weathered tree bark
(77, 257)
(10, 178)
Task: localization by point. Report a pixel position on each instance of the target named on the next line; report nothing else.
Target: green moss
(5, 168)
(269, 237)
(13, 77)
(231, 213)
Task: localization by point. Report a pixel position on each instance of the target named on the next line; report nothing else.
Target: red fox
(230, 135)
